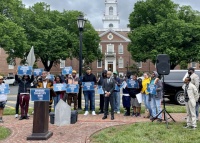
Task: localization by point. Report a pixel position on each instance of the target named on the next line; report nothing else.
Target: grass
(147, 133)
(4, 133)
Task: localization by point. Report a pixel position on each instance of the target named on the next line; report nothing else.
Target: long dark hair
(27, 78)
(59, 78)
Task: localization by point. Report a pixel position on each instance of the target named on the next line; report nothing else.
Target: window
(62, 63)
(121, 74)
(111, 25)
(110, 48)
(10, 67)
(99, 64)
(194, 64)
(121, 63)
(120, 49)
(111, 10)
(139, 64)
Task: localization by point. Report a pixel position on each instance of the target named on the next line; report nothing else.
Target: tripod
(164, 111)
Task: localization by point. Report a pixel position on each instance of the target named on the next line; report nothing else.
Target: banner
(88, 86)
(72, 88)
(151, 88)
(50, 77)
(100, 90)
(132, 84)
(4, 89)
(67, 70)
(24, 70)
(40, 94)
(59, 87)
(123, 85)
(37, 72)
(117, 88)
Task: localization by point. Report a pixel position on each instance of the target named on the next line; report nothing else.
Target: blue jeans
(197, 110)
(156, 106)
(116, 101)
(147, 102)
(56, 100)
(89, 95)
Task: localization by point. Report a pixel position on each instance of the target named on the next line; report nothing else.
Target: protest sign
(151, 88)
(72, 88)
(24, 70)
(59, 87)
(67, 70)
(40, 94)
(88, 86)
(37, 72)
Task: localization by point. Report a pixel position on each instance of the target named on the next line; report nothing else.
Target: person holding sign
(116, 93)
(156, 98)
(24, 94)
(58, 94)
(72, 79)
(46, 83)
(132, 92)
(100, 83)
(3, 99)
(109, 87)
(89, 94)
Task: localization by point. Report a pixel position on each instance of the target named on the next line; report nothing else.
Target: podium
(40, 120)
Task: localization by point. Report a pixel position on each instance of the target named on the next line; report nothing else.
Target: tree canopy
(163, 27)
(53, 34)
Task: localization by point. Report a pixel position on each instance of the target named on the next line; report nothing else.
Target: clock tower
(111, 17)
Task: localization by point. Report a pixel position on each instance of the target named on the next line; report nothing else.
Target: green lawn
(147, 133)
(4, 133)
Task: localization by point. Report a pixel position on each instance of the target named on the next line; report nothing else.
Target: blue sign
(117, 88)
(67, 70)
(72, 88)
(37, 72)
(24, 70)
(50, 77)
(132, 84)
(151, 88)
(87, 86)
(59, 87)
(4, 89)
(40, 94)
(100, 90)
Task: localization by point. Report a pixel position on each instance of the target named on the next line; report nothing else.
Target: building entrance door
(110, 66)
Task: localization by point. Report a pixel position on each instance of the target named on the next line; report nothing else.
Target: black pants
(17, 105)
(106, 105)
(101, 102)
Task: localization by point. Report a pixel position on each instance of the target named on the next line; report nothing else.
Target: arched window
(111, 10)
(110, 25)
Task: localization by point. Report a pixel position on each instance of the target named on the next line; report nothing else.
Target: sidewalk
(74, 133)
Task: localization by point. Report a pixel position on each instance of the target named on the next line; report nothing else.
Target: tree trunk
(46, 66)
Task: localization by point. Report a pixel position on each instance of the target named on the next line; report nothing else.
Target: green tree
(168, 29)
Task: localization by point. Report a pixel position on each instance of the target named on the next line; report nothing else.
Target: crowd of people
(111, 94)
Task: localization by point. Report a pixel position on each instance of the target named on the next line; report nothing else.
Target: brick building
(114, 42)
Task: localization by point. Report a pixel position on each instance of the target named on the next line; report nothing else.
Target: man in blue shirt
(116, 93)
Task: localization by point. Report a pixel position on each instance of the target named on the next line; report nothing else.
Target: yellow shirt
(144, 85)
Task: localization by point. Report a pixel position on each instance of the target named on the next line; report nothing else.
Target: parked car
(10, 80)
(173, 85)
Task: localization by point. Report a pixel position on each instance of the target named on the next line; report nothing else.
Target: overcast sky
(94, 9)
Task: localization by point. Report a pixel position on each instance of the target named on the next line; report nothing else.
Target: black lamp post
(127, 66)
(80, 22)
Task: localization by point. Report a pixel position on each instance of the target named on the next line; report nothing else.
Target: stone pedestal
(40, 121)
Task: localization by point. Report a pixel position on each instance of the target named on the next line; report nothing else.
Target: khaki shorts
(135, 103)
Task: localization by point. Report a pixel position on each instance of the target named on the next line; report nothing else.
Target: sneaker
(118, 112)
(193, 128)
(93, 113)
(186, 126)
(133, 114)
(159, 120)
(137, 115)
(86, 113)
(127, 114)
(16, 115)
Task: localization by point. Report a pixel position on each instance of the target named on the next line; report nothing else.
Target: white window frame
(120, 61)
(120, 49)
(100, 64)
(110, 46)
(139, 64)
(194, 64)
(62, 63)
(11, 67)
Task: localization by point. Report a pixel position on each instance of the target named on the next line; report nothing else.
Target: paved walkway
(74, 133)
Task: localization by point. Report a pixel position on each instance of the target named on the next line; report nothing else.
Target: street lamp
(80, 22)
